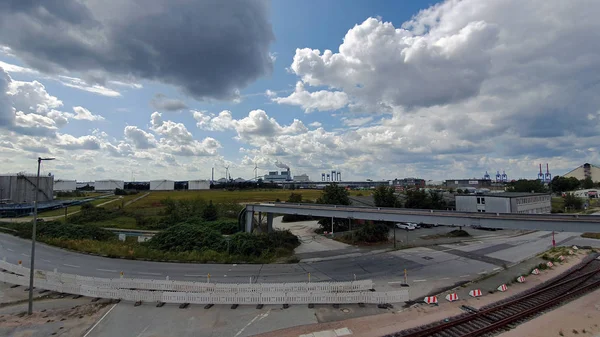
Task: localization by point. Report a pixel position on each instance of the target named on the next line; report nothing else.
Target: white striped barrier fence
(550, 264)
(431, 300)
(535, 271)
(575, 248)
(211, 297)
(561, 258)
(571, 252)
(475, 293)
(189, 286)
(520, 279)
(502, 287)
(452, 297)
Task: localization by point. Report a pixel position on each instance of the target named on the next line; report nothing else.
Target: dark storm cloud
(162, 103)
(208, 48)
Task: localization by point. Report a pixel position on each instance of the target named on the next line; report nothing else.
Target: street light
(37, 192)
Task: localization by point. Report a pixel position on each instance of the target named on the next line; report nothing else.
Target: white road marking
(47, 261)
(10, 250)
(25, 254)
(395, 282)
(100, 320)
(143, 273)
(249, 323)
(419, 280)
(465, 275)
(483, 272)
(70, 265)
(108, 270)
(190, 275)
(445, 278)
(498, 268)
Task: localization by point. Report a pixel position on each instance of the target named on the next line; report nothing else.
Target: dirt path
(397, 320)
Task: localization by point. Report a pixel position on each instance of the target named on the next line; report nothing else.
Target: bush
(458, 233)
(372, 233)
(119, 191)
(89, 213)
(296, 217)
(186, 237)
(59, 230)
(210, 212)
(224, 227)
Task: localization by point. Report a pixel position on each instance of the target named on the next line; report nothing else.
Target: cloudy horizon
(164, 89)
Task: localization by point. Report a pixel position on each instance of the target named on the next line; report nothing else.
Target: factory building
(194, 185)
(21, 188)
(277, 177)
(408, 183)
(61, 185)
(301, 178)
(474, 183)
(584, 171)
(108, 185)
(507, 202)
(162, 185)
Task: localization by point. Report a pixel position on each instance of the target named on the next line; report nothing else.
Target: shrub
(295, 217)
(89, 213)
(458, 233)
(186, 237)
(210, 212)
(372, 233)
(59, 230)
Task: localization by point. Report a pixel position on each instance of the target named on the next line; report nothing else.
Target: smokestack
(212, 179)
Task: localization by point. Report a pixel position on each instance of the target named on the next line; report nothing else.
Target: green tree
(334, 195)
(451, 190)
(384, 197)
(210, 212)
(459, 191)
(524, 185)
(587, 183)
(561, 184)
(295, 197)
(573, 202)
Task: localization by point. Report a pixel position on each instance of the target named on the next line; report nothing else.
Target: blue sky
(410, 88)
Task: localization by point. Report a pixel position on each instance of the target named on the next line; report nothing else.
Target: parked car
(415, 225)
(405, 226)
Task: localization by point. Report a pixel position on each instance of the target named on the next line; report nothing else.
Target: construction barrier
(571, 252)
(550, 264)
(475, 293)
(212, 297)
(520, 279)
(189, 286)
(535, 271)
(431, 300)
(502, 287)
(452, 297)
(562, 258)
(575, 248)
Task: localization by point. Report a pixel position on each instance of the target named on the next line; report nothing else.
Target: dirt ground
(421, 314)
(57, 320)
(578, 318)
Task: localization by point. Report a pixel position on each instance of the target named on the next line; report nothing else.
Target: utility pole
(35, 214)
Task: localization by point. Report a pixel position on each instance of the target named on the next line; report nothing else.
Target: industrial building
(277, 177)
(585, 171)
(61, 185)
(194, 185)
(21, 188)
(408, 183)
(301, 178)
(507, 202)
(108, 185)
(162, 185)
(462, 183)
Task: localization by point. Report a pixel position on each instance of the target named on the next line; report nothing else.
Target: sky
(169, 89)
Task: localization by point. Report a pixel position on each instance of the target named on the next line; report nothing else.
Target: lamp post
(37, 192)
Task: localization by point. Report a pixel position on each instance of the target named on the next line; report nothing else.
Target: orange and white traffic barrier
(520, 279)
(452, 297)
(502, 287)
(535, 271)
(431, 300)
(550, 264)
(475, 293)
(20, 263)
(562, 258)
(571, 252)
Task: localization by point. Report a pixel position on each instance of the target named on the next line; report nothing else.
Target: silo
(108, 185)
(62, 185)
(198, 185)
(20, 188)
(162, 185)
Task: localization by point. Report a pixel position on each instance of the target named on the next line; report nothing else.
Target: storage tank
(108, 185)
(162, 185)
(198, 185)
(20, 188)
(62, 185)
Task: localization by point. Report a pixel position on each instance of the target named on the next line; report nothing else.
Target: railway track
(506, 314)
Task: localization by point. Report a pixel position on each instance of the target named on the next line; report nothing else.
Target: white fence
(240, 297)
(189, 286)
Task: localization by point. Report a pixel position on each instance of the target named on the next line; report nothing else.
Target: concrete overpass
(549, 222)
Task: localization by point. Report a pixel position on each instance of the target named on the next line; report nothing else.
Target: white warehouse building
(194, 185)
(507, 202)
(61, 185)
(162, 185)
(108, 185)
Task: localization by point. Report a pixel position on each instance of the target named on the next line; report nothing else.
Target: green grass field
(218, 196)
(73, 209)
